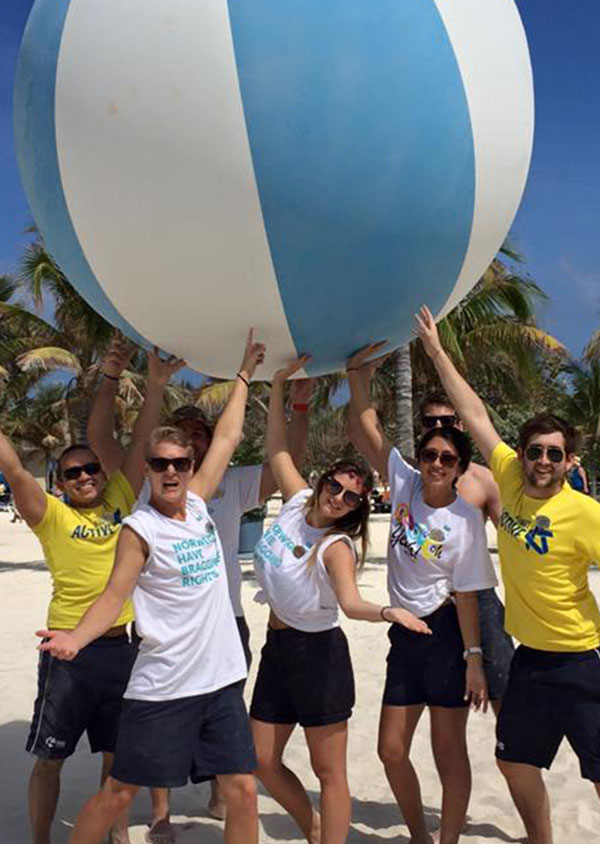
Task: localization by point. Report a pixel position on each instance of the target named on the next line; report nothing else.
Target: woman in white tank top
(306, 565)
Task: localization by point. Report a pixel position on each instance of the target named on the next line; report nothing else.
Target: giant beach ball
(316, 169)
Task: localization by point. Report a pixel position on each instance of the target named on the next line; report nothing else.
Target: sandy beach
(492, 818)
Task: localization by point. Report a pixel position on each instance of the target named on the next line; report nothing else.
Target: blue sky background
(557, 227)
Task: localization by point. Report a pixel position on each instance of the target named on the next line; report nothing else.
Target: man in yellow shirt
(79, 540)
(548, 535)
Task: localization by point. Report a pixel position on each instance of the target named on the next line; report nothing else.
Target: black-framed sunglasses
(73, 472)
(350, 499)
(446, 420)
(446, 458)
(161, 464)
(554, 453)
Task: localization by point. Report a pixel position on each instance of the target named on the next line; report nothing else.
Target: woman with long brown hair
(306, 565)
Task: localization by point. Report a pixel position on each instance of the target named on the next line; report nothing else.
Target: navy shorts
(497, 645)
(81, 695)
(551, 696)
(427, 669)
(304, 678)
(162, 744)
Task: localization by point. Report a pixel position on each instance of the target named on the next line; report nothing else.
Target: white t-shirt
(433, 551)
(297, 585)
(190, 640)
(238, 492)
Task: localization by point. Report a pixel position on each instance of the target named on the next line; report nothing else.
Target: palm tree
(581, 403)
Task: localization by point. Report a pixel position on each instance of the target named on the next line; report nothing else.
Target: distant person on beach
(577, 477)
(79, 540)
(437, 561)
(184, 714)
(306, 566)
(242, 488)
(548, 536)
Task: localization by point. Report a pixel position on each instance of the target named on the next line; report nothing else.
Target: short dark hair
(435, 397)
(68, 450)
(458, 438)
(548, 423)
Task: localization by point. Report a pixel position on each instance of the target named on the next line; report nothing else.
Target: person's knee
(48, 768)
(451, 756)
(517, 774)
(329, 772)
(116, 797)
(392, 751)
(239, 793)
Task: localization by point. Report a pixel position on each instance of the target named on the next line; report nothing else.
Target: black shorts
(304, 678)
(244, 631)
(162, 744)
(427, 669)
(551, 696)
(84, 694)
(497, 645)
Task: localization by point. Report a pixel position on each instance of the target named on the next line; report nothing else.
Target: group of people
(151, 534)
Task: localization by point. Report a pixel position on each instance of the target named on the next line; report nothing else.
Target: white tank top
(296, 584)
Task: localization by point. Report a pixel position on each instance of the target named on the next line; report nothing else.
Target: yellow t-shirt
(79, 547)
(546, 546)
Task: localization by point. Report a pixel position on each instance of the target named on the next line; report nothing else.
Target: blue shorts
(162, 744)
(551, 696)
(497, 645)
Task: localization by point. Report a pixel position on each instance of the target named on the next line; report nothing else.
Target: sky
(557, 226)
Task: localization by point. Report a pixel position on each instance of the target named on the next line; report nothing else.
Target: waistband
(556, 657)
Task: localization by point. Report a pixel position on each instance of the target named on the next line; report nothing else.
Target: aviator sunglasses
(554, 453)
(350, 499)
(446, 458)
(446, 420)
(73, 472)
(161, 464)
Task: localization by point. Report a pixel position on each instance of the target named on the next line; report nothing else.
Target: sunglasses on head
(350, 499)
(446, 458)
(73, 472)
(554, 453)
(446, 420)
(161, 464)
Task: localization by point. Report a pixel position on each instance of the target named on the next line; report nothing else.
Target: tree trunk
(404, 410)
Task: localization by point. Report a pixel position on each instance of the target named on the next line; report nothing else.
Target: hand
(476, 691)
(61, 643)
(426, 329)
(160, 371)
(254, 355)
(359, 359)
(293, 366)
(118, 356)
(301, 390)
(407, 619)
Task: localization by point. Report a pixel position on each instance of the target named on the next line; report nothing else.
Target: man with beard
(548, 536)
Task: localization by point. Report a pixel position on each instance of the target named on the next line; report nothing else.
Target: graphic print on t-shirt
(416, 538)
(270, 547)
(199, 557)
(107, 524)
(535, 535)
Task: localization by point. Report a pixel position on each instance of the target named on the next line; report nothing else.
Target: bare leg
(397, 726)
(281, 783)
(216, 804)
(44, 788)
(327, 746)
(496, 704)
(241, 816)
(449, 744)
(161, 831)
(119, 833)
(529, 794)
(100, 813)
(597, 787)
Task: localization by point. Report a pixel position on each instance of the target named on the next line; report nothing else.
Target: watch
(474, 649)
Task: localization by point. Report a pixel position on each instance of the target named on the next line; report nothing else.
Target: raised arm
(30, 498)
(465, 400)
(355, 432)
(130, 557)
(365, 429)
(228, 430)
(100, 427)
(159, 373)
(301, 394)
(279, 454)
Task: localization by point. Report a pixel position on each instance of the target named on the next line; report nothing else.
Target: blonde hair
(168, 434)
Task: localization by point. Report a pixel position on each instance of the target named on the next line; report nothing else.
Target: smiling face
(200, 437)
(339, 496)
(439, 465)
(169, 484)
(544, 477)
(85, 489)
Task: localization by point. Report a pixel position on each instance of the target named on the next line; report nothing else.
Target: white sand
(492, 818)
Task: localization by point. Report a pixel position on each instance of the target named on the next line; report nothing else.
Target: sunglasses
(73, 472)
(445, 420)
(161, 464)
(554, 453)
(350, 499)
(446, 458)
